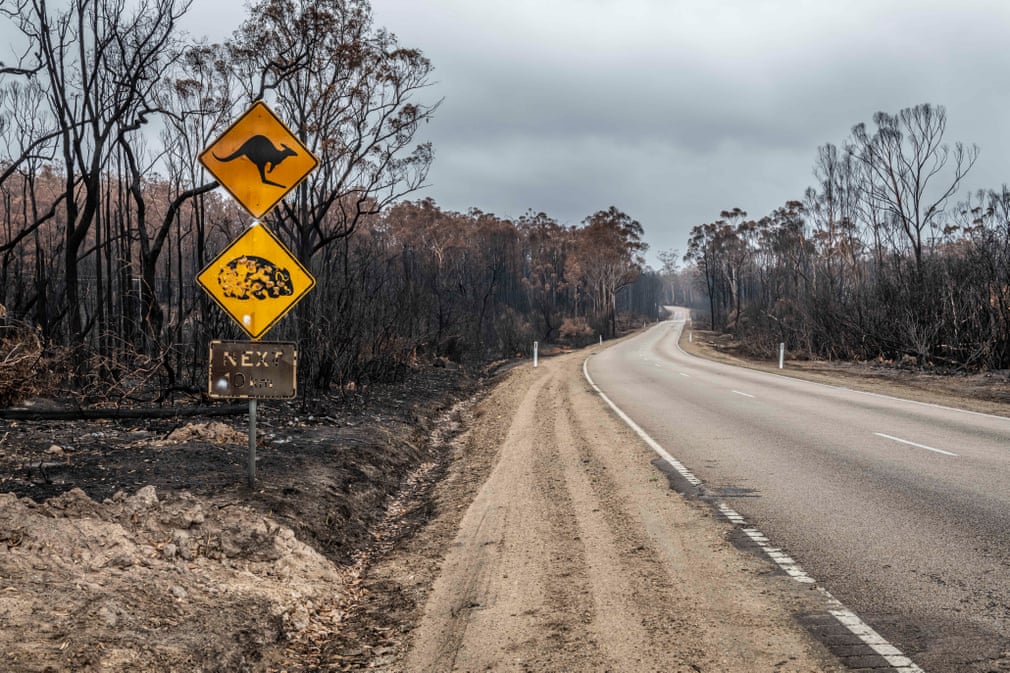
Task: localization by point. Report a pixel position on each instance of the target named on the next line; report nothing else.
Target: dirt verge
(137, 546)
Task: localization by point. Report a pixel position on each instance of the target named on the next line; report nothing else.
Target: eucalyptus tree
(198, 100)
(351, 93)
(911, 173)
(547, 247)
(26, 146)
(99, 63)
(832, 208)
(703, 252)
(607, 256)
(348, 91)
(739, 251)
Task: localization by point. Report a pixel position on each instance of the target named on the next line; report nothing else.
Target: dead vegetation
(26, 368)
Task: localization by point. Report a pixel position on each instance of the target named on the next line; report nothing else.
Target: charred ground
(137, 544)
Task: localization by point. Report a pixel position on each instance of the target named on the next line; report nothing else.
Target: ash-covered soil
(138, 546)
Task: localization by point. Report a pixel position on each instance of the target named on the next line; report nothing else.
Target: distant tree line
(418, 280)
(877, 261)
(106, 218)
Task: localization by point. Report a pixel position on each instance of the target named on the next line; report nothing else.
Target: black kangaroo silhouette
(261, 151)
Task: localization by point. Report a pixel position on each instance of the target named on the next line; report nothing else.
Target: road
(900, 510)
(569, 551)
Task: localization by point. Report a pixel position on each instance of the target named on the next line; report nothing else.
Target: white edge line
(891, 654)
(653, 444)
(920, 446)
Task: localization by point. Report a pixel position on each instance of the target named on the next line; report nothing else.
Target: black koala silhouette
(249, 276)
(261, 151)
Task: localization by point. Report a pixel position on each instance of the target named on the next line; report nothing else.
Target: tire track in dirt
(493, 572)
(630, 592)
(575, 555)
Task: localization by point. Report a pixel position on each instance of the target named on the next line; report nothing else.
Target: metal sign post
(252, 442)
(255, 370)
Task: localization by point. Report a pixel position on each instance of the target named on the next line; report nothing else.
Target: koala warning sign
(258, 160)
(256, 280)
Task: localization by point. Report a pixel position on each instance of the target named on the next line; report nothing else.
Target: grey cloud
(674, 110)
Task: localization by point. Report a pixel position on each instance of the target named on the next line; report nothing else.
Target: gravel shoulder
(573, 554)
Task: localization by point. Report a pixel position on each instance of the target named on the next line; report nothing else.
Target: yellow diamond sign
(256, 280)
(258, 160)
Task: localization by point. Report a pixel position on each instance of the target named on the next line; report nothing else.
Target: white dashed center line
(920, 446)
(744, 394)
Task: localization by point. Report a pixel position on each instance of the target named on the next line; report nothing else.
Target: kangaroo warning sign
(256, 280)
(258, 160)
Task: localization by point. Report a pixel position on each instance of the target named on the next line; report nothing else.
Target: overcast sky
(674, 110)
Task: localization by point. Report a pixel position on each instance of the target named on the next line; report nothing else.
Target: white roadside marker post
(782, 354)
(536, 348)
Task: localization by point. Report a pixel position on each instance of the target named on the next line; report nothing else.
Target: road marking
(837, 387)
(653, 444)
(730, 513)
(891, 654)
(921, 446)
(744, 394)
(685, 375)
(782, 560)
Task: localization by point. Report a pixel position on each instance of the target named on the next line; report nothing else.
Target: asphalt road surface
(900, 509)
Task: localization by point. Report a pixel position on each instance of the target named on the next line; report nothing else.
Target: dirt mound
(135, 545)
(147, 583)
(214, 432)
